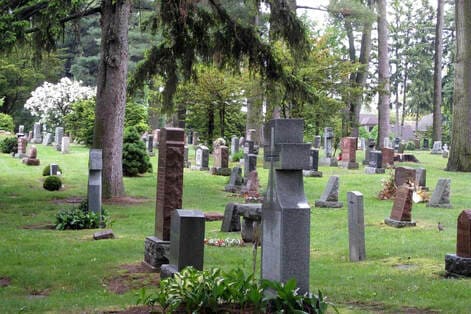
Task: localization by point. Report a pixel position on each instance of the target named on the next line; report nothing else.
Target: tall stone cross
(285, 212)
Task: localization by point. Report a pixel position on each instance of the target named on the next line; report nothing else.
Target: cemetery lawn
(47, 271)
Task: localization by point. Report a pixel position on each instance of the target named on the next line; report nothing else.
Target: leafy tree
(79, 122)
(6, 122)
(437, 73)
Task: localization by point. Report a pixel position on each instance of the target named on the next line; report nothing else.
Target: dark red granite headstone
(169, 179)
(402, 206)
(224, 150)
(404, 175)
(349, 146)
(463, 243)
(388, 156)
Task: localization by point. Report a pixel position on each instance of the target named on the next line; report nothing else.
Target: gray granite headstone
(37, 133)
(314, 163)
(285, 211)
(437, 148)
(234, 146)
(330, 196)
(231, 221)
(329, 159)
(425, 144)
(186, 162)
(65, 145)
(58, 138)
(186, 241)
(421, 178)
(235, 181)
(201, 158)
(95, 166)
(250, 158)
(53, 169)
(375, 163)
(356, 226)
(317, 141)
(370, 146)
(441, 195)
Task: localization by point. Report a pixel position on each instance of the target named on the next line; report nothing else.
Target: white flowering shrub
(51, 102)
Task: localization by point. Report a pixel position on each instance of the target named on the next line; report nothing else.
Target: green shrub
(52, 183)
(9, 145)
(238, 156)
(6, 122)
(80, 121)
(135, 158)
(136, 116)
(410, 145)
(214, 291)
(47, 170)
(80, 218)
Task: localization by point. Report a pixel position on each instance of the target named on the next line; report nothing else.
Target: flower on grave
(228, 242)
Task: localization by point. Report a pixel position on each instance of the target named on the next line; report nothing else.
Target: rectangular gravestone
(186, 162)
(425, 144)
(356, 226)
(201, 158)
(437, 148)
(231, 221)
(329, 159)
(195, 138)
(58, 138)
(317, 142)
(235, 181)
(285, 211)
(53, 169)
(65, 145)
(37, 133)
(314, 163)
(441, 195)
(370, 146)
(95, 166)
(421, 178)
(388, 156)
(234, 146)
(186, 242)
(401, 213)
(375, 163)
(349, 147)
(250, 157)
(330, 196)
(404, 175)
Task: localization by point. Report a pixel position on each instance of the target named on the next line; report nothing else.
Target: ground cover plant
(44, 270)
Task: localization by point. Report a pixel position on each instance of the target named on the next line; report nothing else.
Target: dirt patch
(5, 281)
(132, 276)
(70, 200)
(381, 308)
(38, 294)
(213, 216)
(125, 200)
(40, 226)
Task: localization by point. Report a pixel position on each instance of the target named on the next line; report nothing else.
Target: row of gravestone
(62, 143)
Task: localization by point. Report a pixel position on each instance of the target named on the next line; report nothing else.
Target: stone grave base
(167, 271)
(31, 161)
(439, 205)
(199, 168)
(349, 164)
(312, 173)
(221, 171)
(328, 204)
(405, 158)
(373, 170)
(156, 252)
(232, 188)
(365, 162)
(329, 162)
(436, 152)
(399, 224)
(457, 266)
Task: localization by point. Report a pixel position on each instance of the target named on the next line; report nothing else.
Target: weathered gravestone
(425, 144)
(401, 213)
(421, 178)
(95, 167)
(251, 189)
(285, 211)
(375, 163)
(317, 142)
(329, 159)
(186, 162)
(349, 148)
(196, 139)
(150, 144)
(37, 133)
(404, 175)
(22, 144)
(314, 163)
(250, 157)
(234, 146)
(189, 137)
(186, 242)
(388, 156)
(441, 195)
(369, 147)
(47, 139)
(65, 145)
(235, 181)
(169, 194)
(356, 226)
(330, 196)
(445, 152)
(251, 214)
(221, 161)
(231, 220)
(31, 159)
(201, 158)
(58, 137)
(459, 264)
(437, 148)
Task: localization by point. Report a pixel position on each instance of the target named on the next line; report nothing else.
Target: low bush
(47, 170)
(52, 183)
(6, 122)
(9, 145)
(81, 218)
(214, 291)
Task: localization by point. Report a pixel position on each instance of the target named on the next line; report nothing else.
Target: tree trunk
(111, 93)
(210, 125)
(347, 121)
(437, 75)
(383, 72)
(460, 151)
(362, 74)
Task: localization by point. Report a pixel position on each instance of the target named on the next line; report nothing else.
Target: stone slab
(312, 173)
(156, 252)
(457, 266)
(328, 204)
(399, 224)
(104, 234)
(168, 271)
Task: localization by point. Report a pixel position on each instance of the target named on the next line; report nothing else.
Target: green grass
(71, 268)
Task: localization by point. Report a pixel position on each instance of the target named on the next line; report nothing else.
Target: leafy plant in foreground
(80, 218)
